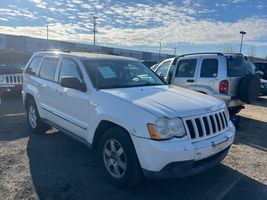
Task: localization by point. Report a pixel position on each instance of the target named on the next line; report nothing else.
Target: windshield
(120, 73)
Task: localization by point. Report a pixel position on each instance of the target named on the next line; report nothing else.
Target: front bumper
(7, 88)
(181, 157)
(187, 168)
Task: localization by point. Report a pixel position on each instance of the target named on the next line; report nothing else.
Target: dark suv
(11, 68)
(262, 66)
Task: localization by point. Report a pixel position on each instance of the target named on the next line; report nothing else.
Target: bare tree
(228, 49)
(253, 51)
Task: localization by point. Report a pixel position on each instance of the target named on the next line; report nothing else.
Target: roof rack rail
(189, 54)
(235, 54)
(62, 50)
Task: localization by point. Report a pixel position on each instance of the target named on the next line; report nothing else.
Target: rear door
(46, 85)
(185, 73)
(208, 74)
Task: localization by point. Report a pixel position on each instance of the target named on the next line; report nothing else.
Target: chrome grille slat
(219, 122)
(215, 123)
(220, 115)
(224, 116)
(205, 126)
(224, 122)
(210, 127)
(195, 128)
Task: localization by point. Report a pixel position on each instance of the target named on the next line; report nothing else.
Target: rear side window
(33, 66)
(209, 68)
(48, 68)
(186, 68)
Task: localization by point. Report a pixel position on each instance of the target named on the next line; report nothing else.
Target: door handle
(59, 92)
(190, 81)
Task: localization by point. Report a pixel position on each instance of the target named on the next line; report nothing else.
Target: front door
(185, 74)
(72, 104)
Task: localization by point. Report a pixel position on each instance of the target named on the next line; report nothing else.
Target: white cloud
(238, 1)
(136, 25)
(39, 3)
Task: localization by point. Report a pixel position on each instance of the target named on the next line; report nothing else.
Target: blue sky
(187, 25)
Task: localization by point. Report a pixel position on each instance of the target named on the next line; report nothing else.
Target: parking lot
(54, 166)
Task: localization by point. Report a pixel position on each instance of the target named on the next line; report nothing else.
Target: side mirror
(72, 82)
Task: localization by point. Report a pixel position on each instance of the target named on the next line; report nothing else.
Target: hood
(168, 101)
(10, 70)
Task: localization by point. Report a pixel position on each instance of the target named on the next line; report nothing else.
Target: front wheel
(118, 159)
(34, 121)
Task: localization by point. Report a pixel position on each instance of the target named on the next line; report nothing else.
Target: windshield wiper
(129, 86)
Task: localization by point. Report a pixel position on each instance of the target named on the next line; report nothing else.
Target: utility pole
(174, 53)
(94, 24)
(159, 51)
(47, 36)
(242, 35)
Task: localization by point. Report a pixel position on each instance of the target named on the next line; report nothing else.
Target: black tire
(236, 121)
(132, 173)
(40, 126)
(249, 88)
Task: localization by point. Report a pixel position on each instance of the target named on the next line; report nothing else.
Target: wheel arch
(101, 128)
(28, 97)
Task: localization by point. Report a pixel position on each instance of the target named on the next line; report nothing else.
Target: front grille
(204, 126)
(14, 79)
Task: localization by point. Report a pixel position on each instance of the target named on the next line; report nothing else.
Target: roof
(85, 55)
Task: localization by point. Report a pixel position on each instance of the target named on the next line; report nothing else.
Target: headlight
(2, 78)
(165, 128)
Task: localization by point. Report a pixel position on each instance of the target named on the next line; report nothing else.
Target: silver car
(229, 77)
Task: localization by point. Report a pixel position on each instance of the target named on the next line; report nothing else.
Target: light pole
(242, 35)
(94, 24)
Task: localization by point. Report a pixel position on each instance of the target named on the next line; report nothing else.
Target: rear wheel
(34, 121)
(118, 159)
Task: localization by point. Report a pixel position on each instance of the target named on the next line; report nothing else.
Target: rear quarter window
(33, 66)
(238, 66)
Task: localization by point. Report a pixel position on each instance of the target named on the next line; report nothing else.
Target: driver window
(163, 68)
(186, 68)
(69, 68)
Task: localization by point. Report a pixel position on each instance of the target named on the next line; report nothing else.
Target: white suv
(139, 125)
